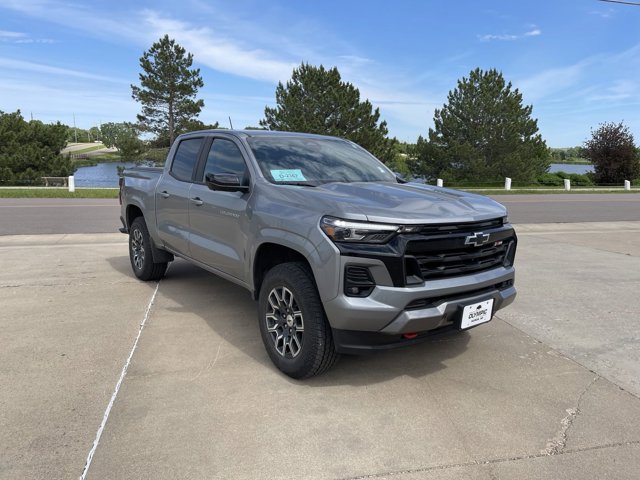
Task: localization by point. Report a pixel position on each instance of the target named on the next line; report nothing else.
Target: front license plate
(476, 314)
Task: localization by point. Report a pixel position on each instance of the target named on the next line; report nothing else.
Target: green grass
(93, 161)
(92, 148)
(546, 190)
(53, 192)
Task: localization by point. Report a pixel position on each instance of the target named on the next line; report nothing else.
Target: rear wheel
(141, 253)
(293, 324)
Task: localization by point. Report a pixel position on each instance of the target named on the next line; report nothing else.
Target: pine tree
(483, 133)
(316, 100)
(30, 150)
(168, 88)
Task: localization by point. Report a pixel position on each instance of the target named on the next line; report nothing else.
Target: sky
(576, 61)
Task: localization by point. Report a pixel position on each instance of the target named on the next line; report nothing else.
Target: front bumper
(379, 321)
(425, 323)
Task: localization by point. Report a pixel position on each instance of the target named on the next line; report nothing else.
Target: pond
(570, 168)
(100, 175)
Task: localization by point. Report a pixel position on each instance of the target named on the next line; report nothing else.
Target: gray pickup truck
(341, 254)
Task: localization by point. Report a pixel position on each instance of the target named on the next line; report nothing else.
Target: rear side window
(225, 157)
(186, 158)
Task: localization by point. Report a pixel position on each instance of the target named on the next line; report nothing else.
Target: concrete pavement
(546, 390)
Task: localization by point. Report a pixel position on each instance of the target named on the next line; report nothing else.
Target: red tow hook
(409, 336)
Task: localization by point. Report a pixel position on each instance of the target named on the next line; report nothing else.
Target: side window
(186, 158)
(225, 157)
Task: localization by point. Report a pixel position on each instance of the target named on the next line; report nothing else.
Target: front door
(218, 220)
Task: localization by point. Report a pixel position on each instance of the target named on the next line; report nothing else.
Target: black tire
(141, 253)
(310, 351)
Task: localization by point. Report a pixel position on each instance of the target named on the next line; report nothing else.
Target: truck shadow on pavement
(231, 313)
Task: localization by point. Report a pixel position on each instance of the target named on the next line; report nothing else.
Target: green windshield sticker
(292, 175)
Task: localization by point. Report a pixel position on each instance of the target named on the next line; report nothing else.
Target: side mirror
(400, 178)
(225, 182)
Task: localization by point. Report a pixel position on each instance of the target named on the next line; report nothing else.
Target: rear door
(172, 195)
(218, 219)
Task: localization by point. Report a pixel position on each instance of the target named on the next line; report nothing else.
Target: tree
(162, 138)
(316, 100)
(124, 137)
(168, 88)
(613, 153)
(483, 133)
(78, 134)
(94, 132)
(30, 150)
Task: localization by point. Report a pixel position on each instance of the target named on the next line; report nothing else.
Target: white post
(507, 183)
(627, 185)
(567, 184)
(72, 183)
(438, 182)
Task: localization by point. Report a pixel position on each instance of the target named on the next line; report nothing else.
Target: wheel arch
(270, 254)
(134, 211)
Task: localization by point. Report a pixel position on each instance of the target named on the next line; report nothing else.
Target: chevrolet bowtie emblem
(477, 239)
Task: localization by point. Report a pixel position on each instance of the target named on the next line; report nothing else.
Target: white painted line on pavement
(117, 389)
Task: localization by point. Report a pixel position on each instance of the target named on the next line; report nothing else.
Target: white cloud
(12, 64)
(7, 34)
(221, 53)
(489, 37)
(21, 37)
(534, 32)
(551, 81)
(608, 13)
(58, 102)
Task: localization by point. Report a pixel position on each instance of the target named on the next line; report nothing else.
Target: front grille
(461, 227)
(440, 256)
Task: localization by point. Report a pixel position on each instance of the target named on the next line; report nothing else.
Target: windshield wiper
(299, 184)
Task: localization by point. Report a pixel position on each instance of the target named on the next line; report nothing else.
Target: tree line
(482, 133)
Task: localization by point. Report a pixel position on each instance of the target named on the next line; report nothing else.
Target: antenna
(230, 122)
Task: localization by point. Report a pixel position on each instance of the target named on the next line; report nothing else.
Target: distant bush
(550, 180)
(556, 179)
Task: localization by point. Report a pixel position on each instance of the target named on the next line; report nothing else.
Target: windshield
(314, 161)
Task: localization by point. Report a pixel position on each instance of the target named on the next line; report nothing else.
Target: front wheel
(293, 324)
(141, 254)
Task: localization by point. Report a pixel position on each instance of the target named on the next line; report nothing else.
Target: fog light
(358, 281)
(409, 336)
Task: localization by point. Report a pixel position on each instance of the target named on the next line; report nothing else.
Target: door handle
(197, 201)
(165, 194)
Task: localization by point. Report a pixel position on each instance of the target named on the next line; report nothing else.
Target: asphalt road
(38, 216)
(573, 208)
(31, 216)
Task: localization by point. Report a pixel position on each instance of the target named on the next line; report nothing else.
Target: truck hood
(408, 203)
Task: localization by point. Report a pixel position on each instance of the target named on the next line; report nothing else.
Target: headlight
(340, 230)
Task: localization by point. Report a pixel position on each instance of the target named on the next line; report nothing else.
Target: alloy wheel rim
(284, 322)
(137, 249)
